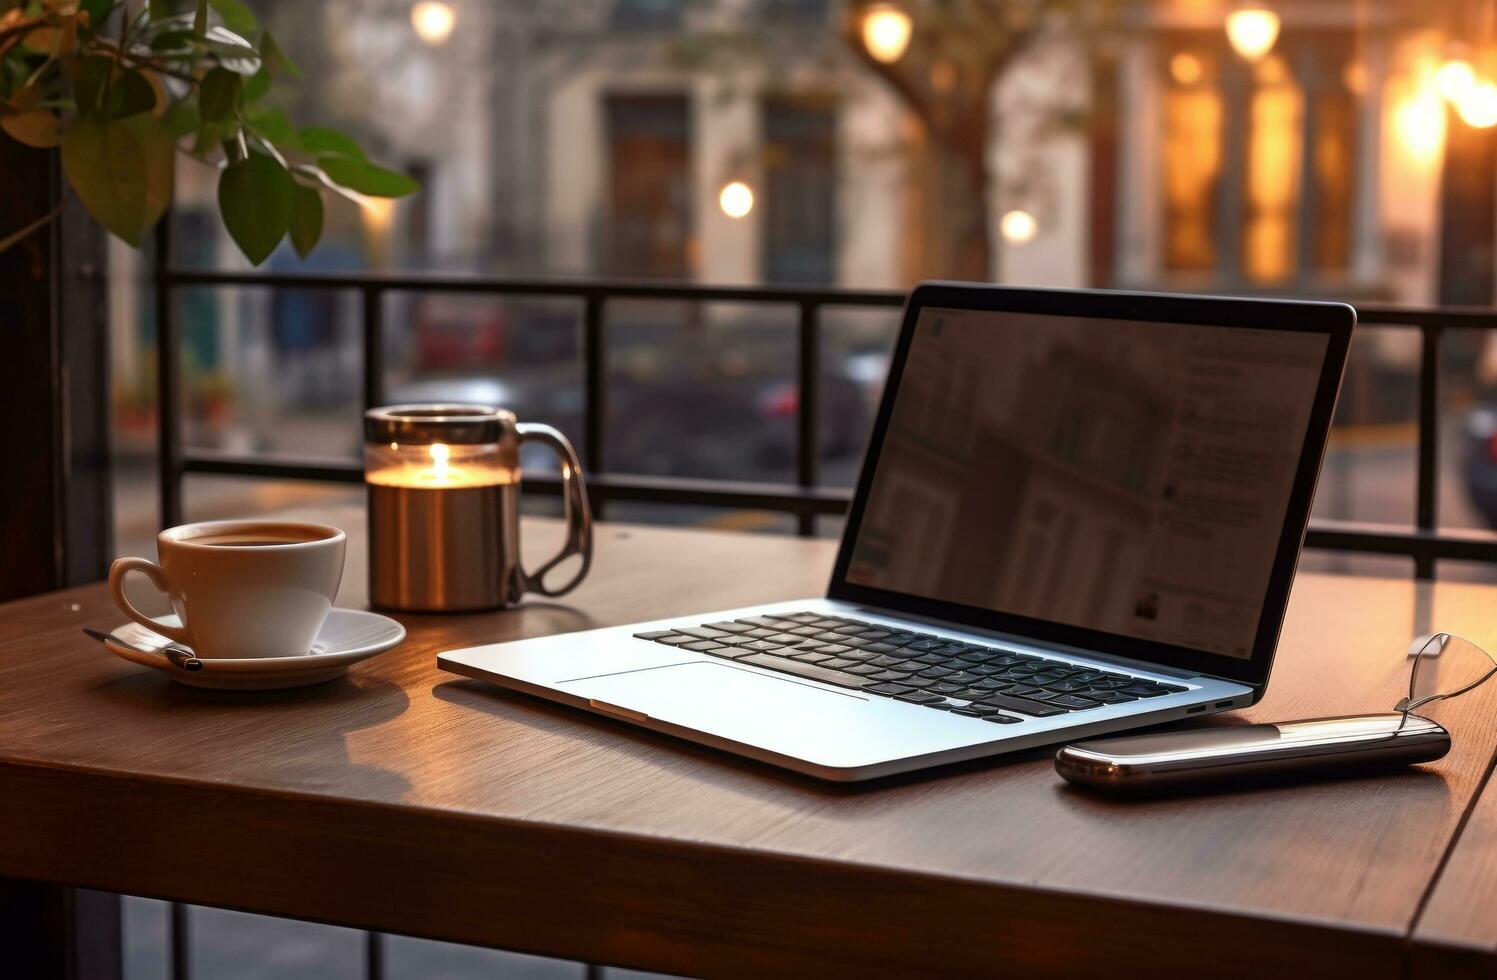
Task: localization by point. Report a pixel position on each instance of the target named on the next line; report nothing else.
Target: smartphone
(1223, 753)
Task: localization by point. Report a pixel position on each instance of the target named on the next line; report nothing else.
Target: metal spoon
(179, 655)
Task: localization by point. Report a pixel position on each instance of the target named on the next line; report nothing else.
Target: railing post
(168, 379)
(1426, 500)
(808, 415)
(595, 385)
(374, 344)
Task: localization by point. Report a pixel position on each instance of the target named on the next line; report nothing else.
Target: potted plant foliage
(123, 88)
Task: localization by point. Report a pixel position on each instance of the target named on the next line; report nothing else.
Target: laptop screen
(1128, 477)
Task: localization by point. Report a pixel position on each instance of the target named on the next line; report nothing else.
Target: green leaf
(256, 197)
(218, 95)
(234, 52)
(107, 167)
(256, 86)
(181, 117)
(130, 94)
(211, 134)
(160, 155)
(89, 77)
(366, 177)
(306, 219)
(172, 40)
(272, 125)
(275, 59)
(38, 128)
(318, 140)
(236, 16)
(200, 19)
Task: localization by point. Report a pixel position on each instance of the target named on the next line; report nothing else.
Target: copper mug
(444, 508)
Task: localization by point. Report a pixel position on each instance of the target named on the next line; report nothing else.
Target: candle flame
(440, 453)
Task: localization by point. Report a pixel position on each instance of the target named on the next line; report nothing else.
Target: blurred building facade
(748, 141)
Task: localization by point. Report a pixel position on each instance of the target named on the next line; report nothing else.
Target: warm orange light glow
(886, 32)
(1019, 227)
(1419, 121)
(1186, 68)
(1456, 79)
(736, 199)
(1253, 31)
(433, 21)
(1478, 108)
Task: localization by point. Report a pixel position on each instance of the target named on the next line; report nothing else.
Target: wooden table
(407, 800)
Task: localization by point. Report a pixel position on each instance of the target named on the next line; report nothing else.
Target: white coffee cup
(241, 588)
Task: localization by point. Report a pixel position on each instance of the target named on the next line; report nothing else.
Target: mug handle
(579, 540)
(152, 571)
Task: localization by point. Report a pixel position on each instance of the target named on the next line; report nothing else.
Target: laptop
(1079, 512)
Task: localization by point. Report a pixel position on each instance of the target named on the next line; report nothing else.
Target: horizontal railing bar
(1408, 542)
(1378, 539)
(786, 498)
(1369, 314)
(580, 289)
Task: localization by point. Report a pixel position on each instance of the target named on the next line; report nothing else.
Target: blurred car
(454, 330)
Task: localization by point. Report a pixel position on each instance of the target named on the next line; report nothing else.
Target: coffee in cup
(241, 589)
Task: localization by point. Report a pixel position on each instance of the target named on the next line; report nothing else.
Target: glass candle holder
(444, 508)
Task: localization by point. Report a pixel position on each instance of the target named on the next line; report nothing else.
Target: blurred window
(1270, 199)
(649, 182)
(800, 183)
(1192, 161)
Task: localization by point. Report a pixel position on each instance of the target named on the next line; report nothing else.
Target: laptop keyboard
(991, 683)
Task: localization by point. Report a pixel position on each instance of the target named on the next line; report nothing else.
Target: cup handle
(579, 540)
(152, 571)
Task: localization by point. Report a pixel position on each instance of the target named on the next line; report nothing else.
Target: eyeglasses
(1445, 667)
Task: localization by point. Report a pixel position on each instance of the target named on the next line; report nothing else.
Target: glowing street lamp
(736, 199)
(1253, 31)
(1478, 108)
(886, 32)
(1456, 80)
(433, 21)
(1018, 227)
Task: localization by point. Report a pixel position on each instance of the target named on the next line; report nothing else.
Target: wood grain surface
(403, 798)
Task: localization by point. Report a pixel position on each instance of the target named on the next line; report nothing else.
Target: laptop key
(703, 646)
(839, 664)
(808, 671)
(1110, 697)
(761, 646)
(676, 640)
(810, 656)
(891, 690)
(920, 682)
(1073, 702)
(654, 634)
(966, 712)
(942, 687)
(919, 697)
(728, 627)
(1036, 709)
(701, 632)
(1002, 719)
(889, 675)
(836, 649)
(864, 670)
(1138, 690)
(934, 672)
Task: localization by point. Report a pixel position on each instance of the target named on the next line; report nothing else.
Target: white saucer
(348, 636)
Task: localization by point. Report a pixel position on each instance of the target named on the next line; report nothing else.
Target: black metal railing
(806, 499)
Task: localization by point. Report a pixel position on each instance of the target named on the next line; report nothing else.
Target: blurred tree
(944, 69)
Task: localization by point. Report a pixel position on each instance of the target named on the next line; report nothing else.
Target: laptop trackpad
(780, 714)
